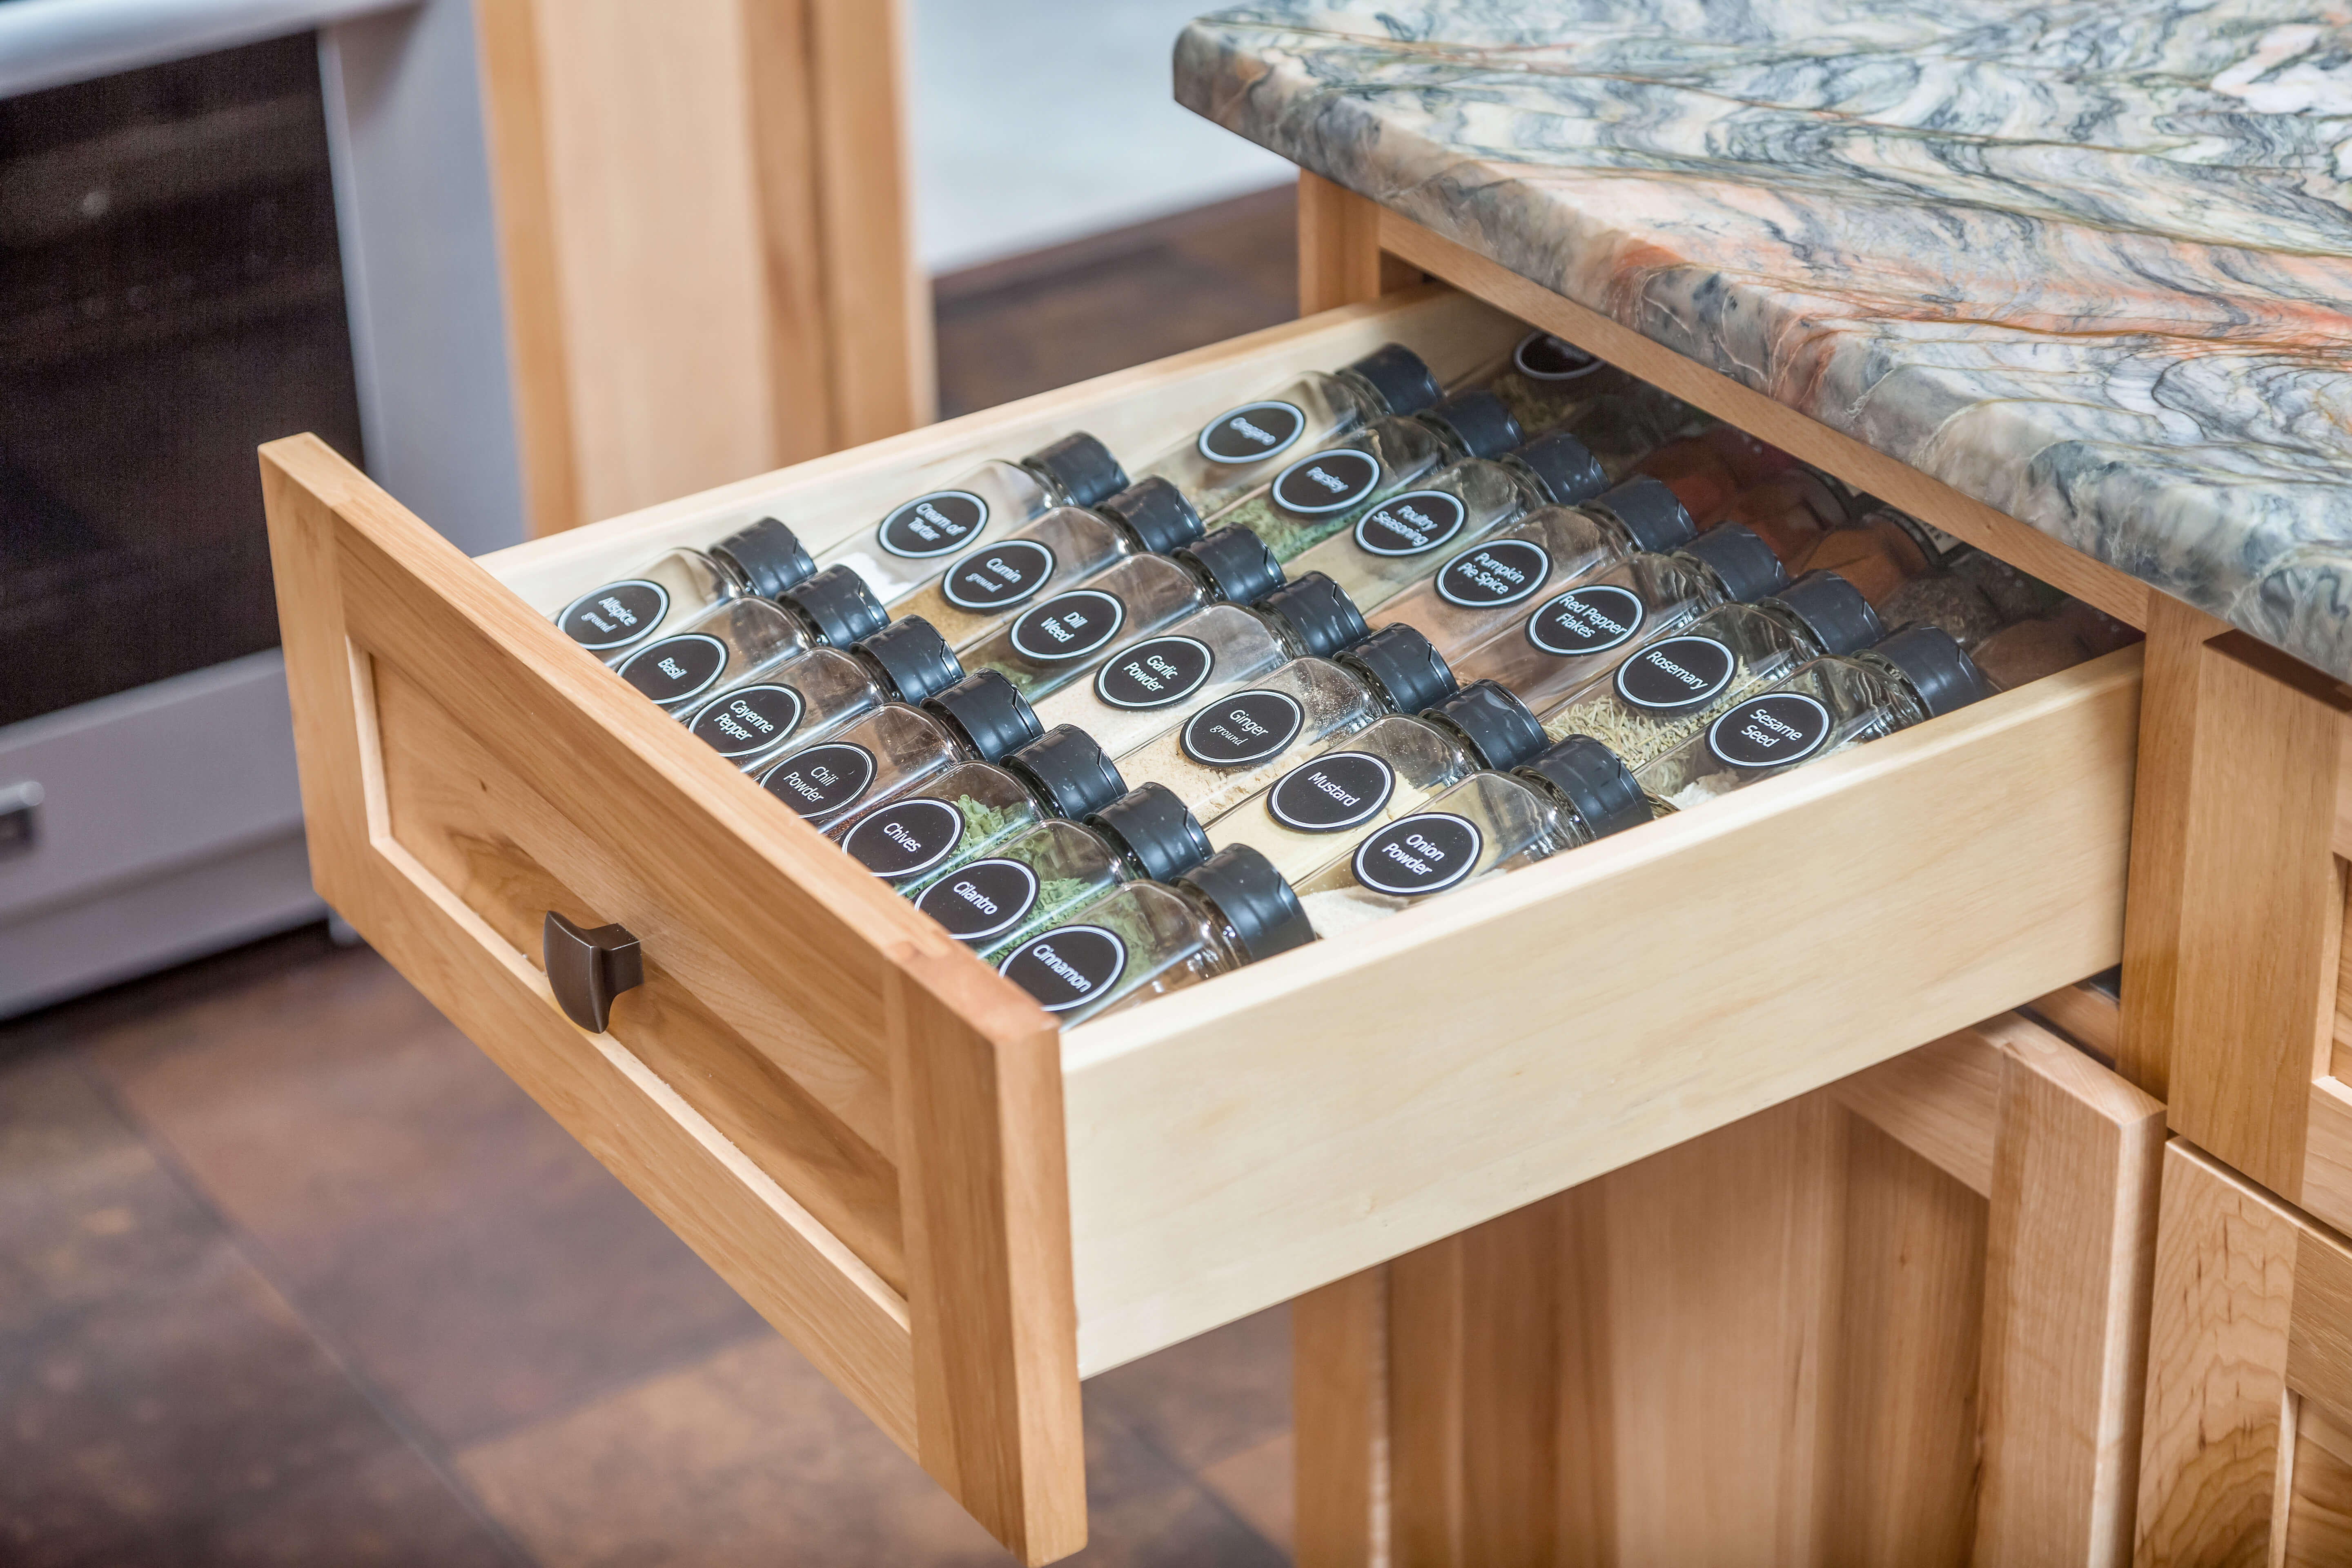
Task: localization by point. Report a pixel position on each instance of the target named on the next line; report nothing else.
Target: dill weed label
(822, 780)
(1248, 727)
(738, 724)
(999, 576)
(934, 524)
(1327, 483)
(1586, 620)
(1415, 856)
(905, 837)
(1331, 793)
(1067, 626)
(1770, 731)
(1676, 675)
(1067, 967)
(1252, 433)
(614, 615)
(987, 897)
(1489, 576)
(1155, 673)
(1412, 523)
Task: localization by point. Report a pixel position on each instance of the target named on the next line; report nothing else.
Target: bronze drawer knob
(589, 967)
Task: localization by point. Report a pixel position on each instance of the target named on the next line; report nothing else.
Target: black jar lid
(1406, 666)
(1741, 559)
(1155, 513)
(1563, 467)
(1320, 611)
(1593, 781)
(913, 659)
(1939, 669)
(1653, 518)
(1068, 771)
(1151, 824)
(1237, 564)
(1398, 374)
(1833, 610)
(1479, 421)
(1241, 885)
(987, 713)
(838, 606)
(768, 554)
(1081, 466)
(1497, 726)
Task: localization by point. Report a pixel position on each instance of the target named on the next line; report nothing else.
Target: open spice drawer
(955, 1209)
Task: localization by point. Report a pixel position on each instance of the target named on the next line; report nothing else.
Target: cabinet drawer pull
(589, 967)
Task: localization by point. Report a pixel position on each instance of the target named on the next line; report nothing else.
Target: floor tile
(1260, 1484)
(1212, 1396)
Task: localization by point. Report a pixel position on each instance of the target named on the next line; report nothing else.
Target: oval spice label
(1067, 626)
(1592, 619)
(1067, 967)
(1415, 856)
(1252, 433)
(998, 576)
(905, 837)
(746, 719)
(1411, 524)
(1327, 483)
(676, 669)
(1542, 357)
(822, 780)
(933, 524)
(1488, 577)
(985, 898)
(1248, 727)
(1155, 672)
(615, 615)
(1331, 793)
(1770, 731)
(1676, 675)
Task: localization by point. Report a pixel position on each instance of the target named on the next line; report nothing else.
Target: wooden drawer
(956, 1210)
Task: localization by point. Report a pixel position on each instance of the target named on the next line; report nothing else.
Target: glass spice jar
(965, 810)
(1874, 552)
(738, 639)
(1549, 383)
(978, 719)
(802, 701)
(675, 586)
(1790, 512)
(1700, 478)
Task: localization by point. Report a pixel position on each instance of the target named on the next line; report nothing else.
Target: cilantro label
(985, 898)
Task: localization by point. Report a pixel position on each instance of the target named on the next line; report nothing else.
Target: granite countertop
(2091, 264)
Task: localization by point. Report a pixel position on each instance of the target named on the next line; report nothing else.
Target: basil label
(1331, 792)
(998, 576)
(1068, 967)
(1487, 576)
(1542, 357)
(904, 836)
(1417, 855)
(934, 524)
(822, 780)
(1067, 626)
(1252, 433)
(1410, 523)
(1248, 727)
(615, 615)
(985, 898)
(1327, 483)
(752, 718)
(1770, 731)
(1592, 619)
(1676, 675)
(676, 669)
(1155, 672)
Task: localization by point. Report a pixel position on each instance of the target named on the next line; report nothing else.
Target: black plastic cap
(1589, 777)
(838, 606)
(1403, 664)
(1237, 564)
(1396, 373)
(987, 713)
(1320, 611)
(1741, 558)
(1479, 421)
(1068, 771)
(1563, 467)
(1083, 467)
(1151, 824)
(1243, 886)
(911, 657)
(1497, 726)
(1155, 513)
(1653, 518)
(1939, 669)
(768, 555)
(1833, 610)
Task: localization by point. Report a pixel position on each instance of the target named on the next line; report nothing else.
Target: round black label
(1412, 523)
(985, 898)
(998, 576)
(934, 524)
(1542, 357)
(1676, 675)
(1252, 433)
(1770, 731)
(1068, 967)
(615, 615)
(676, 669)
(1155, 672)
(1331, 792)
(1327, 483)
(822, 780)
(1500, 571)
(1067, 626)
(1248, 727)
(1418, 854)
(1591, 619)
(904, 836)
(749, 719)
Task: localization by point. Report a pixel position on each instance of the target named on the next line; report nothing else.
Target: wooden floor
(289, 1273)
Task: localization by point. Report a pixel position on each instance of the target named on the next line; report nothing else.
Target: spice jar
(1324, 492)
(1824, 708)
(1568, 794)
(1227, 749)
(1748, 460)
(1054, 641)
(1789, 512)
(2015, 596)
(1144, 940)
(1672, 688)
(913, 543)
(895, 747)
(801, 701)
(2030, 650)
(680, 584)
(1059, 551)
(737, 640)
(964, 811)
(1146, 687)
(1318, 811)
(1396, 544)
(1700, 479)
(1233, 453)
(1483, 591)
(1941, 599)
(1576, 637)
(1549, 383)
